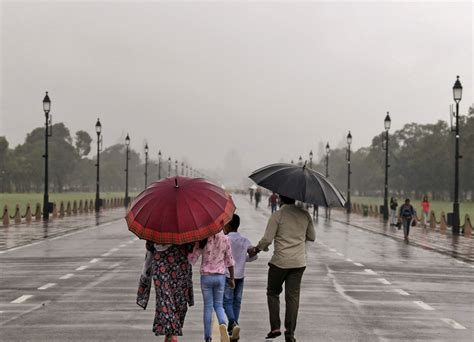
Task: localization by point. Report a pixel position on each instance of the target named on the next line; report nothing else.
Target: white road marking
(349, 260)
(105, 254)
(46, 286)
(402, 292)
(82, 268)
(369, 271)
(122, 245)
(423, 305)
(453, 323)
(384, 281)
(332, 250)
(358, 264)
(21, 299)
(93, 261)
(340, 254)
(113, 250)
(67, 276)
(459, 261)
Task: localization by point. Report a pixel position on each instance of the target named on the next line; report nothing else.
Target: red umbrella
(179, 210)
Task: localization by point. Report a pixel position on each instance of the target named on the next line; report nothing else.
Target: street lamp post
(300, 161)
(127, 146)
(146, 165)
(159, 165)
(182, 168)
(169, 166)
(48, 132)
(311, 159)
(457, 95)
(387, 123)
(327, 159)
(176, 168)
(98, 130)
(349, 142)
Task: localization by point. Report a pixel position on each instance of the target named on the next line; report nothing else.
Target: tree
(83, 143)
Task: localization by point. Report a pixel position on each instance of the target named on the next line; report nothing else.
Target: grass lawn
(23, 198)
(437, 206)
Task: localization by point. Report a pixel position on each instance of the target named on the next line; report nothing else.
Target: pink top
(216, 255)
(426, 206)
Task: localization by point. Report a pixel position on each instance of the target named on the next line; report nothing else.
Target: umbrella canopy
(300, 183)
(180, 210)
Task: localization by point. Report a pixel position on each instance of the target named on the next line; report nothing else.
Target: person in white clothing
(240, 247)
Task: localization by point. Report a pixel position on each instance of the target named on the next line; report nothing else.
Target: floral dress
(172, 276)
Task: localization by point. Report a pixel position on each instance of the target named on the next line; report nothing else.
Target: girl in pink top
(216, 257)
(425, 205)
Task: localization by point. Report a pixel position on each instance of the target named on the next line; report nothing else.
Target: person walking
(216, 258)
(393, 211)
(407, 214)
(171, 272)
(289, 229)
(241, 247)
(425, 206)
(258, 197)
(251, 195)
(273, 202)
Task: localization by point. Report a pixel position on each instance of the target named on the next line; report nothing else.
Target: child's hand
(232, 283)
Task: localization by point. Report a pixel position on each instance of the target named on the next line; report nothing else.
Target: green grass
(437, 206)
(23, 198)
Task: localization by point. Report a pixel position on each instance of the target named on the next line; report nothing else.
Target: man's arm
(270, 233)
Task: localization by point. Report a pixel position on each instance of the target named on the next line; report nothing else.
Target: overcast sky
(197, 79)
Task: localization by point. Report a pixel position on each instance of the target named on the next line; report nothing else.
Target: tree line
(421, 159)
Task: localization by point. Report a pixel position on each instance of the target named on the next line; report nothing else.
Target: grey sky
(269, 80)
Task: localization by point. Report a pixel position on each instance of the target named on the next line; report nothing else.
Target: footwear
(273, 334)
(235, 335)
(208, 339)
(224, 334)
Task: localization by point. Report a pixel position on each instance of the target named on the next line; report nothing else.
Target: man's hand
(232, 283)
(253, 251)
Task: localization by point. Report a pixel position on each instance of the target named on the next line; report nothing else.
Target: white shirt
(239, 246)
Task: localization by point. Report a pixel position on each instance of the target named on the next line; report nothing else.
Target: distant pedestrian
(168, 267)
(216, 258)
(241, 248)
(258, 197)
(289, 228)
(393, 211)
(425, 205)
(407, 215)
(251, 195)
(273, 202)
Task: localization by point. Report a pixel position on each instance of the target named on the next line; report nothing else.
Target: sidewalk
(15, 235)
(459, 247)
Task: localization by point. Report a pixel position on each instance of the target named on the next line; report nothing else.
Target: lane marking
(46, 286)
(402, 292)
(93, 261)
(369, 271)
(113, 250)
(340, 254)
(453, 323)
(67, 276)
(21, 299)
(332, 250)
(82, 268)
(384, 281)
(459, 261)
(105, 254)
(423, 305)
(358, 264)
(349, 259)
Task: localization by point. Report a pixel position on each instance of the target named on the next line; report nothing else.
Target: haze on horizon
(205, 81)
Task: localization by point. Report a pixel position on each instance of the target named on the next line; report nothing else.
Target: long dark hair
(203, 243)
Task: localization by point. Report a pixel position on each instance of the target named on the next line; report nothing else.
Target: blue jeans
(233, 300)
(212, 287)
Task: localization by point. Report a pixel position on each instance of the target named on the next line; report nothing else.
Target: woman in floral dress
(171, 272)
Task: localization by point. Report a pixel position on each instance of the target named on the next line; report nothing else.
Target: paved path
(359, 286)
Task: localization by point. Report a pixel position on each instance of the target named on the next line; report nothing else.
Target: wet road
(358, 286)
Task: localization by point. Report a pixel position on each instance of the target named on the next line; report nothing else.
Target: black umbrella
(300, 183)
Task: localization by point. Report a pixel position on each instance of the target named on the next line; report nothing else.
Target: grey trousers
(291, 277)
